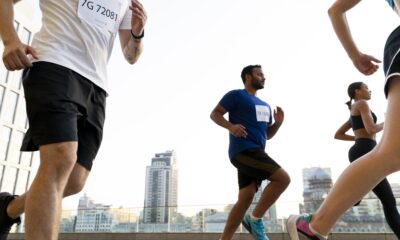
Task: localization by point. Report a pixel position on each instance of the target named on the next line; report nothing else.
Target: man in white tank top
(65, 84)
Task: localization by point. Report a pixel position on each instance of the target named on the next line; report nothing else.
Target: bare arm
(341, 133)
(7, 31)
(368, 121)
(337, 12)
(15, 52)
(217, 115)
(132, 48)
(131, 40)
(273, 129)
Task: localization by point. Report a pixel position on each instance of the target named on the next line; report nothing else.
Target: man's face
(257, 78)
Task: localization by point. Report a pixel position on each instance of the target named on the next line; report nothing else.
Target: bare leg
(43, 200)
(238, 211)
(76, 181)
(366, 172)
(279, 181)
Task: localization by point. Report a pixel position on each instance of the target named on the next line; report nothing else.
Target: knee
(73, 187)
(388, 157)
(284, 179)
(61, 156)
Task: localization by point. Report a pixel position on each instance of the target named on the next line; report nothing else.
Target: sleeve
(228, 101)
(126, 19)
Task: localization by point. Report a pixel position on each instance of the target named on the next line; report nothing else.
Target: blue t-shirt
(251, 112)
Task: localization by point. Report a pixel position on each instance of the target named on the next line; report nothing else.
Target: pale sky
(194, 53)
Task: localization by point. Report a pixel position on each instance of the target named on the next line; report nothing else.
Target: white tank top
(79, 34)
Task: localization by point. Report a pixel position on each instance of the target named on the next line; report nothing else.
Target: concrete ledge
(201, 236)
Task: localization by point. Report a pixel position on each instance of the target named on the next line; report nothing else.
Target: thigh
(90, 138)
(51, 114)
(254, 165)
(389, 145)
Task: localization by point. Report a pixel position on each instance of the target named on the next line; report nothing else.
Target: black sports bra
(357, 123)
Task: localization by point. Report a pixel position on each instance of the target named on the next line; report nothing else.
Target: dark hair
(248, 70)
(351, 91)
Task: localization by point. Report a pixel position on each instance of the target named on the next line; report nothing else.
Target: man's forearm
(132, 50)
(273, 129)
(7, 30)
(220, 120)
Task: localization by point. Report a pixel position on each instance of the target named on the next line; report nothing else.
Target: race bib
(101, 13)
(263, 113)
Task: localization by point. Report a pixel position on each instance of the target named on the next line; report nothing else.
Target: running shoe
(255, 227)
(5, 221)
(297, 225)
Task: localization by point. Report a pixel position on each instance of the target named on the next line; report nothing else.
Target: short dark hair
(248, 70)
(351, 91)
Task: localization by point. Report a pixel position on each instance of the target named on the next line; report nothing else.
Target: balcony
(206, 222)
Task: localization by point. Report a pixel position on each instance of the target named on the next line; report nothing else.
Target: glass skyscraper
(161, 191)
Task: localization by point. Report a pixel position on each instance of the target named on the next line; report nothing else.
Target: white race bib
(101, 13)
(263, 113)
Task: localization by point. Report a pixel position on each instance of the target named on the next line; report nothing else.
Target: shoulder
(234, 93)
(361, 105)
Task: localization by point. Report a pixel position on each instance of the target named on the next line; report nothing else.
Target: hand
(238, 130)
(139, 17)
(366, 64)
(15, 56)
(279, 115)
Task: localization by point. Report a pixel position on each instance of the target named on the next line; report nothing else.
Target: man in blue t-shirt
(250, 125)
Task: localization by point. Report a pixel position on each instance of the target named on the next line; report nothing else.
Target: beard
(256, 84)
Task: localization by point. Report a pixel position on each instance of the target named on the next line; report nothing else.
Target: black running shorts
(63, 106)
(254, 164)
(391, 57)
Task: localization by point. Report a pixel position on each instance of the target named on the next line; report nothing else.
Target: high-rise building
(316, 184)
(16, 168)
(161, 191)
(93, 217)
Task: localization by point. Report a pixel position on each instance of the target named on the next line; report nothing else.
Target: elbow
(371, 131)
(332, 11)
(212, 116)
(338, 135)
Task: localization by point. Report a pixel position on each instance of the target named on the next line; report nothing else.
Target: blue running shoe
(255, 227)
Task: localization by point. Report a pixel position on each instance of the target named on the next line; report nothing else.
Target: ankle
(252, 217)
(316, 233)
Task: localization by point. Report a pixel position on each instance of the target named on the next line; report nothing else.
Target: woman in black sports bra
(363, 122)
(369, 170)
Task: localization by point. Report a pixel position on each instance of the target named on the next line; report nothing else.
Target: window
(21, 118)
(16, 25)
(22, 181)
(5, 135)
(9, 180)
(15, 79)
(25, 36)
(16, 143)
(26, 159)
(3, 72)
(2, 89)
(9, 107)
